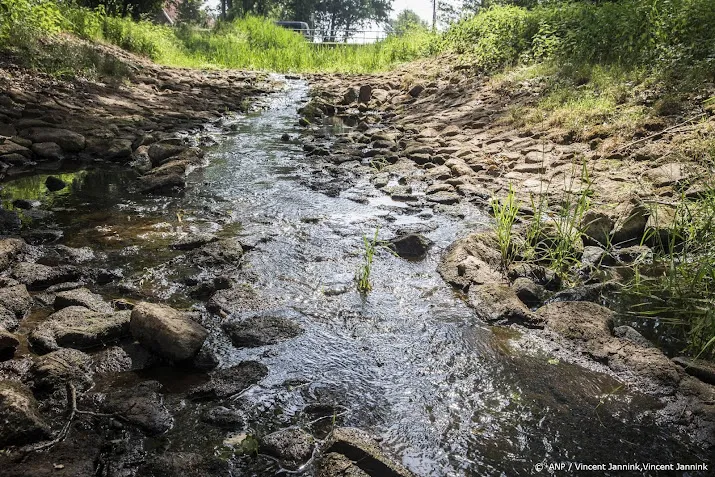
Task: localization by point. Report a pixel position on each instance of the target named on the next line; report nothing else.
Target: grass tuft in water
(362, 276)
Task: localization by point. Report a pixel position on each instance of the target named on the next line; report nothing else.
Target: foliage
(505, 213)
(405, 21)
(362, 276)
(137, 9)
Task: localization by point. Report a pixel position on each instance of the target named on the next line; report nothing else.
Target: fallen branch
(72, 404)
(659, 133)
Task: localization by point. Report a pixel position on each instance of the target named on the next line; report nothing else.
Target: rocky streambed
(216, 329)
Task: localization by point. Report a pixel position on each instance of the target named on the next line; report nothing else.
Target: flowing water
(447, 395)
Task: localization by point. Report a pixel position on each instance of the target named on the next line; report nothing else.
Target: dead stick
(659, 133)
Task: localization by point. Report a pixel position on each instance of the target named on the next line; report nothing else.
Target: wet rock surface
(293, 447)
(230, 381)
(142, 406)
(22, 423)
(166, 331)
(262, 328)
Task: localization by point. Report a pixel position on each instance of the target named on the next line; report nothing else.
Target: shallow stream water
(448, 395)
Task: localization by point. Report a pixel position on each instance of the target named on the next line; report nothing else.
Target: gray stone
(9, 249)
(8, 320)
(416, 90)
(161, 183)
(578, 320)
(473, 259)
(365, 94)
(230, 381)
(701, 369)
(250, 330)
(411, 245)
(80, 328)
(163, 150)
(293, 447)
(224, 417)
(16, 299)
(530, 293)
(193, 241)
(39, 277)
(497, 303)
(670, 174)
(10, 222)
(69, 141)
(184, 464)
(333, 464)
(21, 420)
(142, 406)
(631, 220)
(630, 334)
(54, 370)
(166, 331)
(81, 297)
(54, 184)
(8, 344)
(363, 451)
(47, 150)
(596, 227)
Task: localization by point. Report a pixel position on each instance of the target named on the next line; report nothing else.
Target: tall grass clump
(505, 214)
(362, 276)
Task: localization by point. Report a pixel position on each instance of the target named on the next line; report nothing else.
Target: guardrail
(343, 37)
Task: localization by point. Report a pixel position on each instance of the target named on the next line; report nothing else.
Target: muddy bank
(433, 136)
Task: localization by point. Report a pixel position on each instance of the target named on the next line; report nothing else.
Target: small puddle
(409, 361)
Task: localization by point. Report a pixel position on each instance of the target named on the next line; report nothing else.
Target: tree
(135, 8)
(189, 11)
(407, 20)
(334, 17)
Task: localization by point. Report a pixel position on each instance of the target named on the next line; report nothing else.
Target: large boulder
(8, 344)
(411, 245)
(160, 151)
(81, 297)
(250, 330)
(69, 141)
(54, 370)
(333, 464)
(39, 277)
(20, 418)
(498, 303)
(80, 328)
(578, 320)
(142, 406)
(631, 219)
(9, 249)
(364, 452)
(8, 320)
(10, 223)
(166, 331)
(293, 447)
(229, 381)
(161, 183)
(472, 260)
(16, 299)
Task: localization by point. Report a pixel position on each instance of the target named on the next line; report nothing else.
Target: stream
(409, 362)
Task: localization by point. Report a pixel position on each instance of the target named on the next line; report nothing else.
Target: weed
(362, 277)
(505, 213)
(379, 163)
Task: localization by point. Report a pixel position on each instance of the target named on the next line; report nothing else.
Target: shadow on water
(410, 362)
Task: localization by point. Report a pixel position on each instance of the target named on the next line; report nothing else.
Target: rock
(350, 96)
(141, 160)
(250, 330)
(160, 151)
(81, 297)
(636, 253)
(365, 94)
(543, 276)
(363, 451)
(118, 150)
(630, 334)
(416, 90)
(8, 344)
(166, 331)
(229, 381)
(530, 293)
(42, 236)
(333, 464)
(185, 464)
(239, 298)
(473, 259)
(596, 257)
(701, 369)
(671, 174)
(54, 370)
(596, 227)
(69, 141)
(10, 222)
(21, 420)
(593, 292)
(411, 245)
(16, 299)
(25, 204)
(8, 321)
(10, 248)
(661, 227)
(47, 150)
(446, 198)
(142, 406)
(578, 320)
(631, 219)
(293, 447)
(80, 328)
(39, 277)
(497, 303)
(224, 418)
(161, 183)
(10, 147)
(54, 184)
(193, 241)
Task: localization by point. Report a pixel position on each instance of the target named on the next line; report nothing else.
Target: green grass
(249, 43)
(362, 276)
